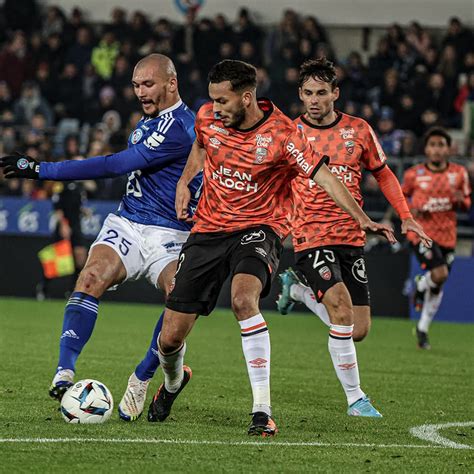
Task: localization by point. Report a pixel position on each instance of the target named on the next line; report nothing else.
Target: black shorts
(323, 267)
(433, 257)
(207, 259)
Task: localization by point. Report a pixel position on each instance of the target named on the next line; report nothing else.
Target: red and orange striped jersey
(433, 195)
(351, 145)
(248, 173)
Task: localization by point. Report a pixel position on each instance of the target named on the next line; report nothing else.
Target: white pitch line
(218, 443)
(430, 433)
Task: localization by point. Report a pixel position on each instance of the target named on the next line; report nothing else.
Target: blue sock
(79, 320)
(147, 367)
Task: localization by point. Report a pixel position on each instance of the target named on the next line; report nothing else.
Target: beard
(238, 118)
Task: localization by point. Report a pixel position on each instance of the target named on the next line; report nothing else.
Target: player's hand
(380, 229)
(458, 198)
(19, 166)
(413, 226)
(183, 196)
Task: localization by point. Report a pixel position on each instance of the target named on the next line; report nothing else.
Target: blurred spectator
(122, 74)
(430, 118)
(461, 38)
(70, 98)
(356, 73)
(107, 101)
(52, 52)
(390, 91)
(407, 117)
(404, 61)
(380, 62)
(368, 114)
(465, 93)
(119, 26)
(439, 97)
(80, 52)
(410, 145)
(104, 55)
(31, 102)
(248, 53)
(246, 30)
(15, 63)
(390, 138)
(53, 23)
(222, 30)
(448, 66)
(418, 38)
(5, 97)
(46, 83)
(139, 30)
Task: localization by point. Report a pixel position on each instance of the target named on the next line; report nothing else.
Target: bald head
(158, 63)
(155, 83)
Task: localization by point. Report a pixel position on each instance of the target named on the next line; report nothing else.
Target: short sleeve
(167, 143)
(301, 156)
(373, 157)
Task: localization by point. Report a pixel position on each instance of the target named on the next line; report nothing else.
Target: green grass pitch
(210, 418)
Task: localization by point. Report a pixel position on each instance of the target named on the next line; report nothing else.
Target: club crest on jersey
(257, 236)
(325, 273)
(346, 133)
(261, 152)
(452, 178)
(358, 270)
(136, 136)
(349, 146)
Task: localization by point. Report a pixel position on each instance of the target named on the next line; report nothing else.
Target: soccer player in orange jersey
(328, 242)
(250, 152)
(436, 189)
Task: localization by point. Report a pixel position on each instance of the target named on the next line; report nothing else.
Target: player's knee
(340, 309)
(439, 274)
(244, 306)
(169, 342)
(91, 281)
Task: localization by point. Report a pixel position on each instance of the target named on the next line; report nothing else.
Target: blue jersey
(157, 154)
(165, 142)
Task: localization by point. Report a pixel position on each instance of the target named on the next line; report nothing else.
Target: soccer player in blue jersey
(144, 237)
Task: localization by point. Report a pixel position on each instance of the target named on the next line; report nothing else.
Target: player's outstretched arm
(392, 190)
(193, 166)
(23, 166)
(343, 198)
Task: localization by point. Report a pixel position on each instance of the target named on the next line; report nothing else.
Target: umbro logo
(347, 366)
(258, 363)
(70, 333)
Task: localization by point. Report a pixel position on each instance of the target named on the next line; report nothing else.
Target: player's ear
(336, 93)
(300, 93)
(247, 98)
(173, 84)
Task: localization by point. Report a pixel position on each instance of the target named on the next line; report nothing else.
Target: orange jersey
(248, 173)
(351, 145)
(433, 195)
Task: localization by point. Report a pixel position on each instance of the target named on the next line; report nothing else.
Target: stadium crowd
(65, 87)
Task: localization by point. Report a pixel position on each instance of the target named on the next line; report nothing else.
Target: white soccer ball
(87, 401)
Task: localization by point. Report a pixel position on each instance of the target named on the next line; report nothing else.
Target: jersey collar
(170, 109)
(322, 127)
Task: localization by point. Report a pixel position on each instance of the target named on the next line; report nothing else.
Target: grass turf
(408, 386)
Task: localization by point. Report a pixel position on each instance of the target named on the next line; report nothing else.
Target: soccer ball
(87, 401)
